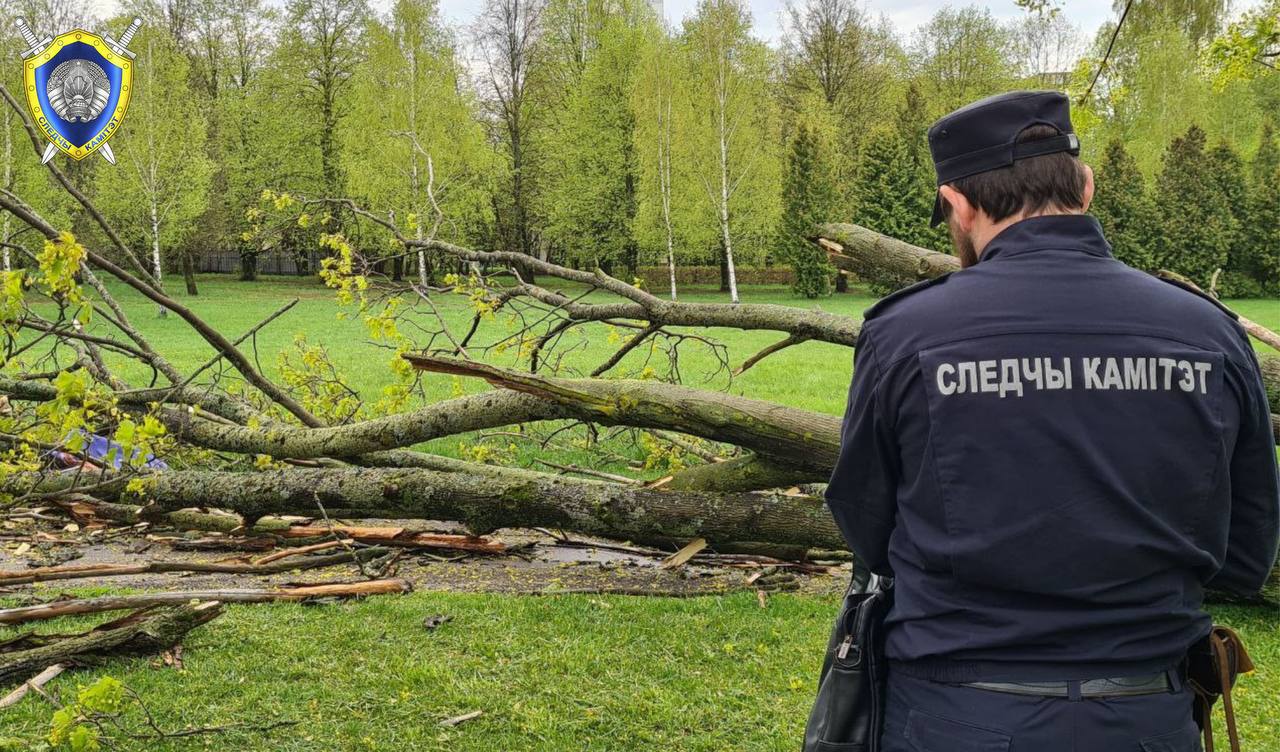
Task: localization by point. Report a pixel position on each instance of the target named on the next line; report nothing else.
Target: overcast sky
(906, 15)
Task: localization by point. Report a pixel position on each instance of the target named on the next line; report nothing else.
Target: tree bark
(512, 499)
(871, 256)
(747, 473)
(526, 499)
(248, 267)
(800, 437)
(189, 272)
(24, 614)
(142, 633)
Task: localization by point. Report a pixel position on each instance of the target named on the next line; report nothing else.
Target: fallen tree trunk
(803, 438)
(516, 499)
(875, 257)
(746, 473)
(523, 499)
(142, 633)
(83, 571)
(24, 614)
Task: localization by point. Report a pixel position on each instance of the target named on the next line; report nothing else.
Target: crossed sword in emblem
(38, 45)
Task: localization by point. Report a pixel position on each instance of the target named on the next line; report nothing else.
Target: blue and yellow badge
(78, 87)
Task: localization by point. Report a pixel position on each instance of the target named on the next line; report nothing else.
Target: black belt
(1123, 686)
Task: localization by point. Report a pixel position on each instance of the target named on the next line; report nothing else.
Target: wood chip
(679, 558)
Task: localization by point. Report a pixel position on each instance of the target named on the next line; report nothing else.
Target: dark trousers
(925, 716)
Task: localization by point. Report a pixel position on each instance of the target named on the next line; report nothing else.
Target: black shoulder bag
(848, 714)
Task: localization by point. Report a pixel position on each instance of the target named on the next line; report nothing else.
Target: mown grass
(550, 673)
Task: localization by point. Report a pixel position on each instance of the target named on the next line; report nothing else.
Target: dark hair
(1050, 181)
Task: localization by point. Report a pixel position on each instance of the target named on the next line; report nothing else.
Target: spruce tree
(1125, 209)
(889, 186)
(912, 126)
(809, 197)
(1227, 172)
(890, 202)
(1193, 210)
(1262, 229)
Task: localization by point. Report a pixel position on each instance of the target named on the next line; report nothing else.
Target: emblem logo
(78, 87)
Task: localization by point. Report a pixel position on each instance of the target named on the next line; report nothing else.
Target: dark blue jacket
(1054, 454)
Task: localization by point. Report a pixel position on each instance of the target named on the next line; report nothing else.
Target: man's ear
(963, 213)
(1088, 186)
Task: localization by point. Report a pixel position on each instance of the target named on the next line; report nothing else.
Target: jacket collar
(1065, 232)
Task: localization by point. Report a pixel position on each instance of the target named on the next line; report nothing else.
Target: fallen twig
(286, 553)
(36, 682)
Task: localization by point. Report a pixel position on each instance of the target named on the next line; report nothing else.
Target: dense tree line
(590, 133)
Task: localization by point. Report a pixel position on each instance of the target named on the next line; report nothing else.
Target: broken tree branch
(24, 614)
(261, 567)
(800, 437)
(142, 633)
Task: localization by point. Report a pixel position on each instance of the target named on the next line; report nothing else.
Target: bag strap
(1206, 712)
(1229, 660)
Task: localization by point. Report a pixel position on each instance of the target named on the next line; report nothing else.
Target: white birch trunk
(722, 97)
(155, 248)
(664, 187)
(8, 178)
(155, 240)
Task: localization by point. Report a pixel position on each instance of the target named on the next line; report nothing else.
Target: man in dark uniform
(1054, 454)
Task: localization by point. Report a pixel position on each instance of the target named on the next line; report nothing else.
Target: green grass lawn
(549, 673)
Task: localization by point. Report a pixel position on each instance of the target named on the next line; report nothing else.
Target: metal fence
(228, 262)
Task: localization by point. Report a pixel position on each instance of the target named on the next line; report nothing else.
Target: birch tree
(653, 100)
(590, 201)
(424, 156)
(732, 127)
(161, 183)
